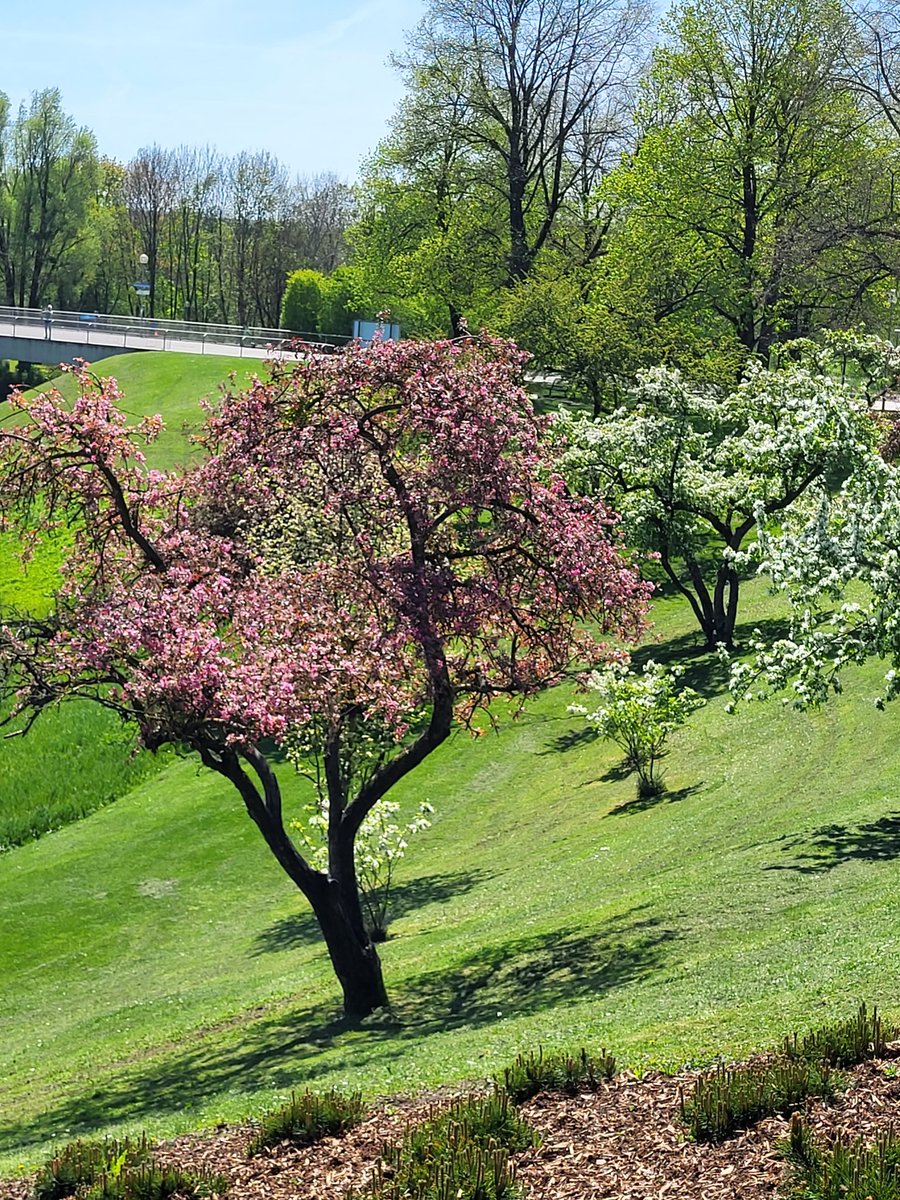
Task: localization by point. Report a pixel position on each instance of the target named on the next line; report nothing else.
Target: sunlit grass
(79, 758)
(160, 972)
(173, 385)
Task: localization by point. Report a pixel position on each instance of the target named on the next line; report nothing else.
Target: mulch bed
(625, 1140)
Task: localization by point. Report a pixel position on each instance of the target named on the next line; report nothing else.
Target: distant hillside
(79, 758)
(171, 384)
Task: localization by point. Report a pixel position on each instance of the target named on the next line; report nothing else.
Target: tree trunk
(334, 901)
(353, 955)
(458, 327)
(520, 256)
(724, 609)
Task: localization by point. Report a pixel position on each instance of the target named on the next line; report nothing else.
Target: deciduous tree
(837, 559)
(48, 181)
(376, 543)
(759, 163)
(694, 471)
(538, 89)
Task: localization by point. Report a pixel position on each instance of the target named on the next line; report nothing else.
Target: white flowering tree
(382, 840)
(839, 564)
(380, 845)
(837, 558)
(693, 472)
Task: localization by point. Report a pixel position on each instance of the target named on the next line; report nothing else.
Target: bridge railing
(153, 332)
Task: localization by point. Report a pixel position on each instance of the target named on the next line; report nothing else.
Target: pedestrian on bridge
(48, 321)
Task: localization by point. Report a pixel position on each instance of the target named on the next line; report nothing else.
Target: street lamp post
(143, 260)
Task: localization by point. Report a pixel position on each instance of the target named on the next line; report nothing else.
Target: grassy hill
(173, 385)
(167, 383)
(159, 972)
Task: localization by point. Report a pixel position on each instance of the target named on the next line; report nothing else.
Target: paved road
(152, 335)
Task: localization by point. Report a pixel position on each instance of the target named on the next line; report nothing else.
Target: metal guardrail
(162, 332)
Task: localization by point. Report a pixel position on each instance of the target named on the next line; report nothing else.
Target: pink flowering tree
(373, 546)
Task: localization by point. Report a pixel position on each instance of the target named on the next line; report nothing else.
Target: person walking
(48, 321)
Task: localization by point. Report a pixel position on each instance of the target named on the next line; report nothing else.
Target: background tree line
(219, 234)
(610, 193)
(615, 202)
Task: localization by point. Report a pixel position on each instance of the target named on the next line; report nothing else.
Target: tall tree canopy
(837, 560)
(375, 545)
(757, 159)
(536, 94)
(49, 177)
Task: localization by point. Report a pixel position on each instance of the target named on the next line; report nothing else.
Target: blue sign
(365, 331)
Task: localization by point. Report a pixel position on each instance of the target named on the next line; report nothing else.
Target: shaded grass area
(75, 760)
(160, 972)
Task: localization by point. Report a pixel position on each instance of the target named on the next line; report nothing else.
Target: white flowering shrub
(380, 844)
(638, 711)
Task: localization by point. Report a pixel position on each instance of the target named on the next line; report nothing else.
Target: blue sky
(308, 81)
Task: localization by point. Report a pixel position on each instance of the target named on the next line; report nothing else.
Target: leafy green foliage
(428, 244)
(308, 1117)
(845, 1170)
(84, 1162)
(843, 1043)
(340, 298)
(638, 712)
(555, 1072)
(302, 301)
(731, 1098)
(599, 326)
(119, 1170)
(156, 1182)
(461, 1152)
(51, 170)
(730, 85)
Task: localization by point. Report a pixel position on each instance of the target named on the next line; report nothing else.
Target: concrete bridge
(25, 336)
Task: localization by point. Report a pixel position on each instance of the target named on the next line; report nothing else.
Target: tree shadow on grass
(642, 803)
(283, 1049)
(617, 773)
(833, 845)
(302, 928)
(530, 974)
(571, 740)
(702, 669)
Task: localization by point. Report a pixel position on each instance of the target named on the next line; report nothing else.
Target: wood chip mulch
(625, 1140)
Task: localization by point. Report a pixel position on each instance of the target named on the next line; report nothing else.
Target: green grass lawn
(160, 973)
(171, 384)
